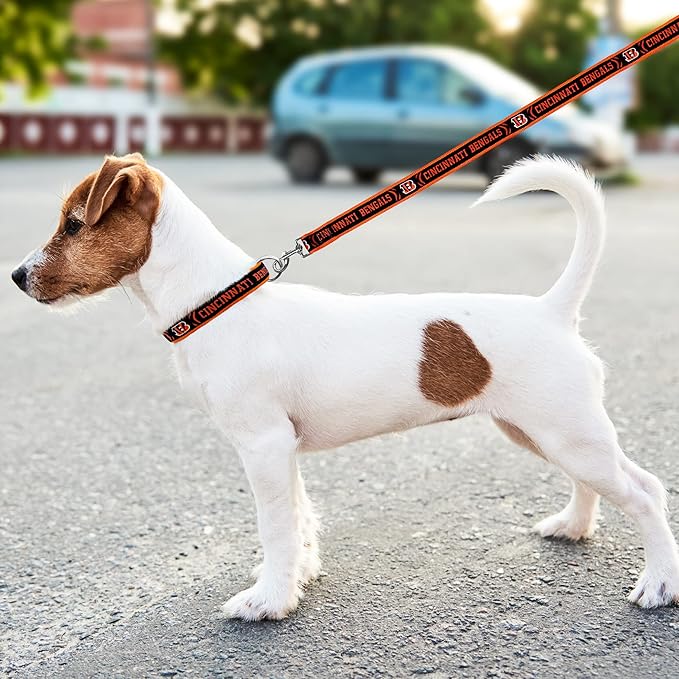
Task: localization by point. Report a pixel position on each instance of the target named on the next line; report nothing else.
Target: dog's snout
(20, 277)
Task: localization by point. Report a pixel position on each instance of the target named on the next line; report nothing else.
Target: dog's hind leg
(578, 519)
(591, 455)
(270, 464)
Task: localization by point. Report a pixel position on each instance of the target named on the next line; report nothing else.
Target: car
(371, 109)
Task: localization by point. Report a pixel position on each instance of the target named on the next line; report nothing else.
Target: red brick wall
(56, 134)
(39, 133)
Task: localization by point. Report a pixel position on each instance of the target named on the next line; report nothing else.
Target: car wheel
(365, 175)
(498, 160)
(305, 161)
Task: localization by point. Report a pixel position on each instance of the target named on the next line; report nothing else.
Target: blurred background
(125, 519)
(225, 77)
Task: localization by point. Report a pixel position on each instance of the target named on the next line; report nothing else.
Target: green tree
(34, 38)
(239, 49)
(658, 86)
(551, 44)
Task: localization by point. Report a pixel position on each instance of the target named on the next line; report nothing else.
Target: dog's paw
(655, 589)
(565, 527)
(260, 602)
(310, 568)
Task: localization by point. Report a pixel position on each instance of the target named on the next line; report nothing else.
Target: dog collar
(218, 303)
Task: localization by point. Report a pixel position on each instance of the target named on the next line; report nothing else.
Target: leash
(426, 176)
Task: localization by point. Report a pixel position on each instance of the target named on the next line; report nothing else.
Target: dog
(340, 368)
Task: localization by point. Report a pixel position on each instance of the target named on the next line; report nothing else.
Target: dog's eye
(72, 226)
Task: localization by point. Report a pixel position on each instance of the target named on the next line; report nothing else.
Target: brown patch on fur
(116, 208)
(518, 436)
(452, 369)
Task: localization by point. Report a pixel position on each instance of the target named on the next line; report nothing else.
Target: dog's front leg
(271, 468)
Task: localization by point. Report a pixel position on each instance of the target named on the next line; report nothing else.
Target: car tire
(306, 161)
(365, 175)
(497, 161)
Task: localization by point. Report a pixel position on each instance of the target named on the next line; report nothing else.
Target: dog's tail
(582, 192)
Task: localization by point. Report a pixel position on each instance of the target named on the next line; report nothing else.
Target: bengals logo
(518, 120)
(408, 186)
(179, 329)
(630, 55)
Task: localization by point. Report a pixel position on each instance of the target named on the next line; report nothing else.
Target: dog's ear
(128, 176)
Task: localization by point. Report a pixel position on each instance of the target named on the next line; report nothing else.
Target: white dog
(340, 368)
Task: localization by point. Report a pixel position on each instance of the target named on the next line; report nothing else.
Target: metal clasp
(280, 264)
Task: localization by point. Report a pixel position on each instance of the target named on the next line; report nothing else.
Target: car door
(435, 107)
(351, 112)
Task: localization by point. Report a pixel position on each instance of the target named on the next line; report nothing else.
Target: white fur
(32, 261)
(581, 191)
(293, 369)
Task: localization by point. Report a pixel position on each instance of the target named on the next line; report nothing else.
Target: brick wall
(64, 133)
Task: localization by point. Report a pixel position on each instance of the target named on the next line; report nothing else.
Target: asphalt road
(125, 521)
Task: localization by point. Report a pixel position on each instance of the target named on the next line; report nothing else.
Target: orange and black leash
(426, 176)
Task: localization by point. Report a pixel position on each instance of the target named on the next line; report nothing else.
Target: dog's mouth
(65, 302)
(68, 295)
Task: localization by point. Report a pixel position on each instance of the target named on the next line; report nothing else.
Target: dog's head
(104, 233)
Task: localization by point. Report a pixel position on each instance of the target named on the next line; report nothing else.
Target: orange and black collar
(218, 303)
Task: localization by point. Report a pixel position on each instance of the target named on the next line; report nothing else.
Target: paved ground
(125, 521)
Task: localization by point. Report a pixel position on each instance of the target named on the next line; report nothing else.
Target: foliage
(239, 49)
(658, 87)
(34, 36)
(551, 44)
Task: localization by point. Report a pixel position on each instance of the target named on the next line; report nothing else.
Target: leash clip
(280, 264)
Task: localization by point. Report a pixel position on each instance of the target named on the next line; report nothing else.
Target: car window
(419, 81)
(359, 80)
(455, 88)
(309, 81)
(428, 82)
(491, 77)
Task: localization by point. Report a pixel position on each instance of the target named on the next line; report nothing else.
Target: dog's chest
(192, 383)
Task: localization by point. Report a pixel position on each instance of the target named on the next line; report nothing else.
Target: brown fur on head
(104, 232)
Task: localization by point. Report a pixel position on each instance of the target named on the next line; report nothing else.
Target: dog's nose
(20, 277)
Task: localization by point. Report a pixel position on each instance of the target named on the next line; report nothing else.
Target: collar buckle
(279, 264)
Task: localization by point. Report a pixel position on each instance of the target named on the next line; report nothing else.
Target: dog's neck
(189, 261)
